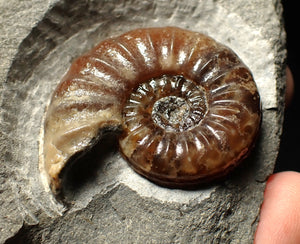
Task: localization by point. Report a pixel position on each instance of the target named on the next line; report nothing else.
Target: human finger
(289, 92)
(280, 212)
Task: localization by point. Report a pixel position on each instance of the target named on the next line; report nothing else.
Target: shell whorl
(188, 107)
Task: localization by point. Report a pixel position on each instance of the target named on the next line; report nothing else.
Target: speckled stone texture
(106, 200)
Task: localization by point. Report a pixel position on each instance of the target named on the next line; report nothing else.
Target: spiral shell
(188, 107)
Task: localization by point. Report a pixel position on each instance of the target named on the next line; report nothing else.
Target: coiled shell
(188, 107)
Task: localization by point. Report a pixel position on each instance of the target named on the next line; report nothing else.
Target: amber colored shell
(188, 107)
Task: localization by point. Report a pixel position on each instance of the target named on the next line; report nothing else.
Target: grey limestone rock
(108, 202)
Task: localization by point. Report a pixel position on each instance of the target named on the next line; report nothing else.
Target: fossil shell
(188, 107)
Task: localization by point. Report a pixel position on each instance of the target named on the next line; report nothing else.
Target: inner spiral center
(173, 103)
(171, 112)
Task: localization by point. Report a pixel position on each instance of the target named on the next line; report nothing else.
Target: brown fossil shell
(188, 107)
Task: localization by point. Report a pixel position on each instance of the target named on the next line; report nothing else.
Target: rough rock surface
(39, 39)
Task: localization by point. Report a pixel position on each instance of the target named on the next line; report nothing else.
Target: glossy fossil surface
(187, 105)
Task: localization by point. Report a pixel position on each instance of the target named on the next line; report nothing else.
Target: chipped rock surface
(38, 41)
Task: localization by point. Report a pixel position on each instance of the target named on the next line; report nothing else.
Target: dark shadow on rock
(84, 168)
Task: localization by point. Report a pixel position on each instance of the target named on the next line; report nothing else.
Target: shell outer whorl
(188, 106)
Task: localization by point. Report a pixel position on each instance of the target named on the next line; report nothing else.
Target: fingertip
(289, 92)
(280, 212)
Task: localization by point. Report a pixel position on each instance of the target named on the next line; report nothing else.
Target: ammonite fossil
(187, 106)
